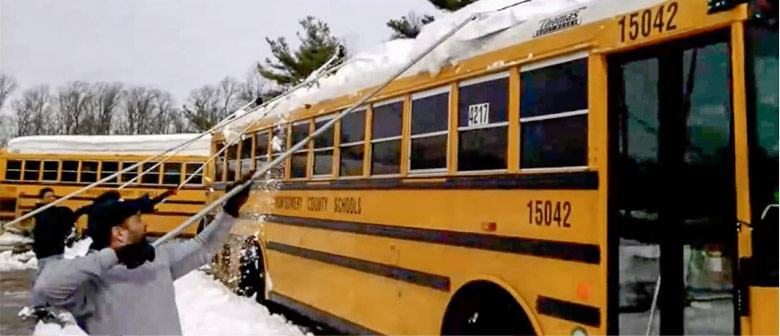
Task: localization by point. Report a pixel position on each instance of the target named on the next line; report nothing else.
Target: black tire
(485, 310)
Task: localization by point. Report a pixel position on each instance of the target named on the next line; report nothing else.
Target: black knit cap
(113, 213)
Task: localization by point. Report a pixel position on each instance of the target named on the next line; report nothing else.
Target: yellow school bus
(68, 163)
(611, 171)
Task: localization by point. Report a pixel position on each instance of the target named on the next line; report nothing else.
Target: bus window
(153, 176)
(89, 171)
(231, 155)
(554, 115)
(323, 148)
(430, 113)
(261, 149)
(278, 146)
(13, 170)
(246, 154)
(172, 173)
(192, 167)
(50, 170)
(32, 170)
(107, 169)
(483, 123)
(386, 138)
(353, 130)
(70, 170)
(220, 163)
(300, 131)
(127, 176)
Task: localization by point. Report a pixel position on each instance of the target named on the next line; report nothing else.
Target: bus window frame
(21, 165)
(56, 172)
(266, 132)
(96, 171)
(144, 168)
(445, 88)
(187, 175)
(314, 149)
(104, 175)
(164, 173)
(542, 64)
(244, 137)
(306, 149)
(63, 171)
(24, 170)
(400, 137)
(364, 109)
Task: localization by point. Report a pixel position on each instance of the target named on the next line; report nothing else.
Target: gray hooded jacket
(106, 298)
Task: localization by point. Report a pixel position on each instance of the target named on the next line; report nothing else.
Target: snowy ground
(206, 307)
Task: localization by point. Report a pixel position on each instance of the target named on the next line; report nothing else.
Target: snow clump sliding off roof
(494, 30)
(109, 144)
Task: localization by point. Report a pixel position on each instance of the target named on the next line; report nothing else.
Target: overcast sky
(173, 45)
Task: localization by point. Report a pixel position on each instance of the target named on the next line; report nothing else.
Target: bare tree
(106, 99)
(254, 86)
(32, 112)
(210, 104)
(73, 101)
(139, 109)
(7, 86)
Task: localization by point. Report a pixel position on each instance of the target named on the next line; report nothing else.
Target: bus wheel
(483, 308)
(252, 273)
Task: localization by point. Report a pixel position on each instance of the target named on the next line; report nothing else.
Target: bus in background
(545, 184)
(68, 163)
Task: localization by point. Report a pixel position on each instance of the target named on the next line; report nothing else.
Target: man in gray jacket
(126, 287)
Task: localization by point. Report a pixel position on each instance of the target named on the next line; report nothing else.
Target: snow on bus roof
(496, 30)
(109, 144)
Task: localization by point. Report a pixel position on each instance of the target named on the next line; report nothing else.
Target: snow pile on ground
(8, 238)
(206, 307)
(111, 144)
(22, 261)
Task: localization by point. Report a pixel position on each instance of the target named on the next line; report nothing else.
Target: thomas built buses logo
(560, 22)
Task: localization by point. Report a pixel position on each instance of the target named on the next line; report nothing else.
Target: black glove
(233, 204)
(135, 255)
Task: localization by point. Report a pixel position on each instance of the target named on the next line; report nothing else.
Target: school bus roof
(108, 144)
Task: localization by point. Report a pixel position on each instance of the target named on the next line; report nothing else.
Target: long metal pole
(316, 133)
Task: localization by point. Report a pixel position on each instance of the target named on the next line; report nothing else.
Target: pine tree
(408, 26)
(291, 67)
(450, 5)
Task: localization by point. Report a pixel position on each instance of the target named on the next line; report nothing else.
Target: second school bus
(616, 176)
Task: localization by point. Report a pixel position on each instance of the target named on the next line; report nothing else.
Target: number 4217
(549, 212)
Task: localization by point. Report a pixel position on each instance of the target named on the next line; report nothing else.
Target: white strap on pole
(316, 133)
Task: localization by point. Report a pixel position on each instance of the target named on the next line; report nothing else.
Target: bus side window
(353, 131)
(231, 155)
(554, 115)
(430, 115)
(192, 167)
(219, 163)
(50, 170)
(172, 173)
(153, 176)
(386, 138)
(483, 123)
(246, 154)
(279, 146)
(32, 170)
(127, 176)
(300, 131)
(89, 170)
(323, 149)
(13, 170)
(70, 170)
(261, 149)
(107, 169)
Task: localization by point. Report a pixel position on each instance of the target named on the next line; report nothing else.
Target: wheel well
(487, 294)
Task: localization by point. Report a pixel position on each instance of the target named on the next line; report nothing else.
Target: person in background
(51, 230)
(124, 285)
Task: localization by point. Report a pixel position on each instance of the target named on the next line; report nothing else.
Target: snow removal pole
(221, 124)
(316, 133)
(316, 75)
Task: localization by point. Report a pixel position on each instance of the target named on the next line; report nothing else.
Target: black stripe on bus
(587, 180)
(411, 276)
(313, 313)
(570, 311)
(587, 253)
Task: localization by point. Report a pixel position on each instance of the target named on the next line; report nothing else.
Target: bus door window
(279, 146)
(386, 126)
(50, 170)
(261, 149)
(70, 170)
(323, 149)
(192, 167)
(300, 131)
(129, 175)
(32, 170)
(153, 176)
(108, 168)
(220, 163)
(172, 173)
(482, 123)
(353, 131)
(89, 171)
(246, 154)
(430, 122)
(554, 115)
(231, 155)
(13, 170)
